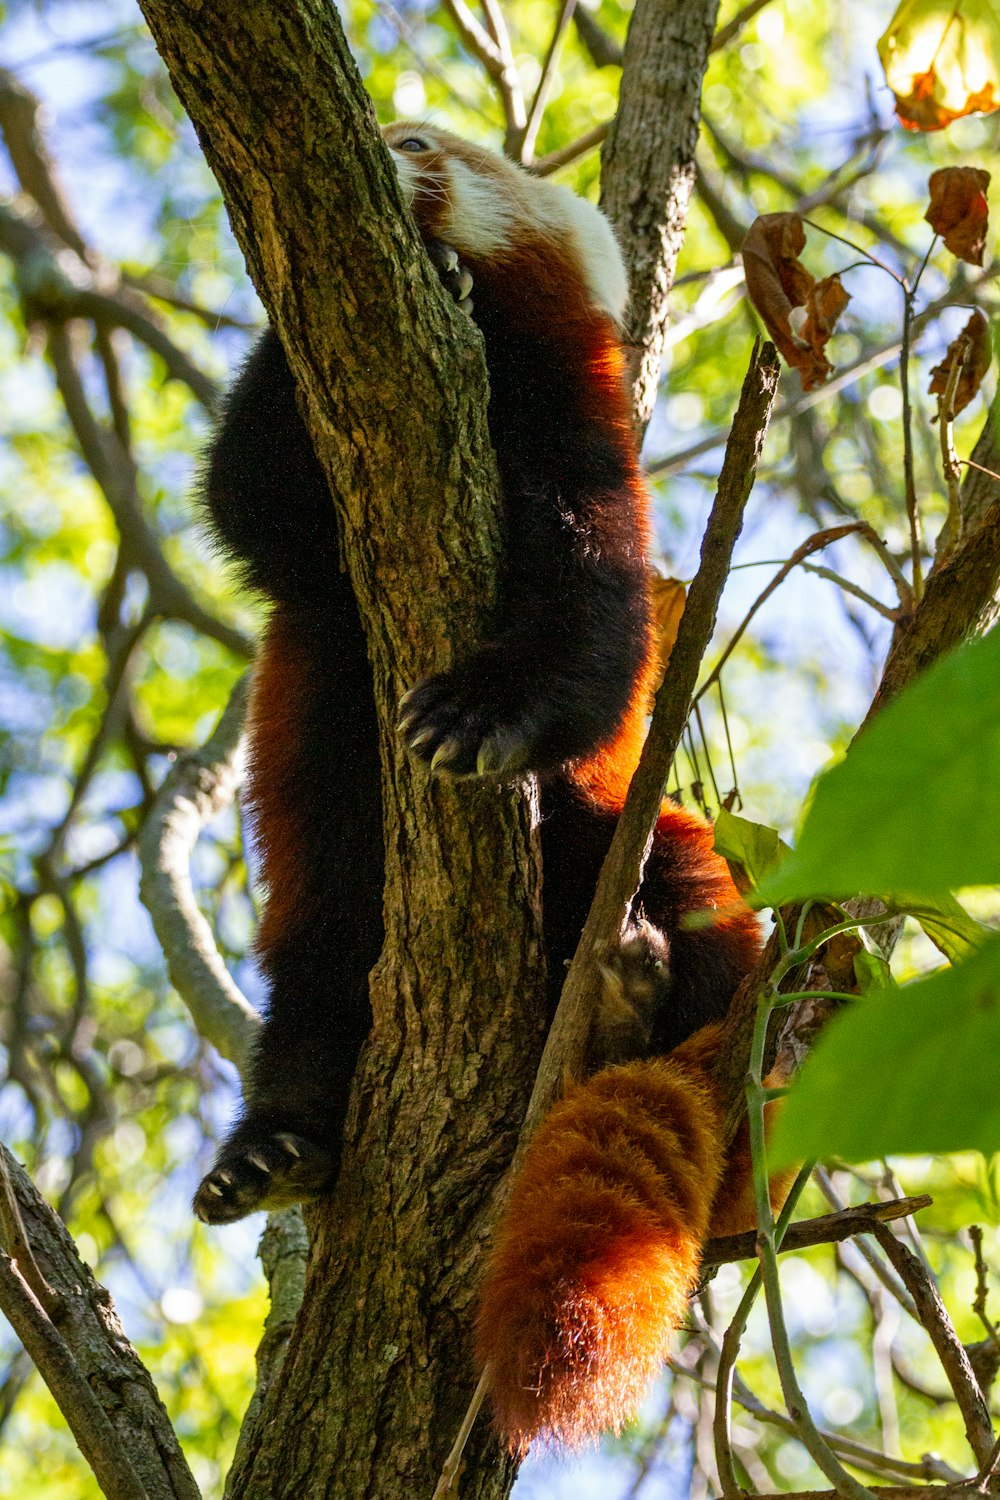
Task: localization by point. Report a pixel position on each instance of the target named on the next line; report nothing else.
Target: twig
(814, 543)
(885, 610)
(543, 166)
(797, 1407)
(828, 1229)
(51, 293)
(549, 64)
(909, 481)
(729, 1352)
(18, 1246)
(989, 1468)
(493, 49)
(198, 786)
(872, 1460)
(742, 18)
(979, 1306)
(115, 474)
(950, 465)
(947, 1345)
(676, 463)
(874, 1262)
(449, 1470)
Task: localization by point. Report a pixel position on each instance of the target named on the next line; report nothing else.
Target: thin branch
(492, 48)
(874, 1262)
(676, 463)
(795, 1402)
(742, 18)
(829, 1229)
(199, 785)
(550, 64)
(115, 474)
(885, 610)
(543, 166)
(947, 1345)
(814, 543)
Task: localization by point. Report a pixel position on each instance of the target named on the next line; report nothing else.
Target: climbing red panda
(559, 686)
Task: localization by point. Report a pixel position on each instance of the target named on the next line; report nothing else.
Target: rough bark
(377, 1372)
(648, 168)
(70, 1326)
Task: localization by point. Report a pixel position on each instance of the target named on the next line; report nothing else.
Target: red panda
(559, 687)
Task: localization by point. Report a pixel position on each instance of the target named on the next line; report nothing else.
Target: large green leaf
(904, 1070)
(915, 807)
(755, 847)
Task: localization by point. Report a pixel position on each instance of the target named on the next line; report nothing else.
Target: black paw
(269, 1170)
(455, 278)
(635, 980)
(480, 719)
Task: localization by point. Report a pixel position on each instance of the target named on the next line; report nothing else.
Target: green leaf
(915, 807)
(872, 973)
(914, 1069)
(754, 846)
(949, 926)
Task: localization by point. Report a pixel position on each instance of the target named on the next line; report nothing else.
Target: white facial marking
(481, 219)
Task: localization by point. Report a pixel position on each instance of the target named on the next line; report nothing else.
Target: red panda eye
(412, 143)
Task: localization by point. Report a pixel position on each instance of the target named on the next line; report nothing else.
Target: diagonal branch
(947, 1345)
(622, 870)
(82, 1353)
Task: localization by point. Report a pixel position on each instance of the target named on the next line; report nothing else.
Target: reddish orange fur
(282, 682)
(599, 1247)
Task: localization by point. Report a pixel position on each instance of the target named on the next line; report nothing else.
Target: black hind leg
(315, 799)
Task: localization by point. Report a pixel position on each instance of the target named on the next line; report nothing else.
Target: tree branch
(648, 167)
(94, 1373)
(200, 784)
(947, 1345)
(829, 1229)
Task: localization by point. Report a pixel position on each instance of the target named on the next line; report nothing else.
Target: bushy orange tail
(599, 1247)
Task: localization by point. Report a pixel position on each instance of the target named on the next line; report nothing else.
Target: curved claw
(443, 755)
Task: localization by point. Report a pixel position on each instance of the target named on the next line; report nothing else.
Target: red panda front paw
(454, 276)
(489, 716)
(267, 1170)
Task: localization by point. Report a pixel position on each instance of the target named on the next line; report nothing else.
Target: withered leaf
(958, 210)
(942, 60)
(972, 350)
(668, 596)
(778, 285)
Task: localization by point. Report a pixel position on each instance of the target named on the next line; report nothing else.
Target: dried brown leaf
(668, 596)
(778, 284)
(958, 210)
(972, 350)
